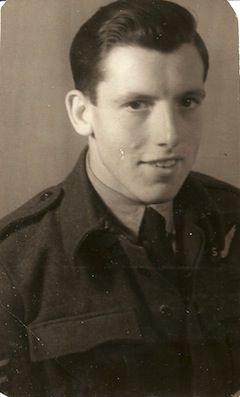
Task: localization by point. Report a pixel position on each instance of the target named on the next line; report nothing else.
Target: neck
(125, 209)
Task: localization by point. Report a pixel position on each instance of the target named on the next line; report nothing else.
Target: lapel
(207, 241)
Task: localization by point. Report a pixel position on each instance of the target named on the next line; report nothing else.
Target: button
(166, 310)
(146, 244)
(45, 196)
(187, 274)
(144, 272)
(106, 225)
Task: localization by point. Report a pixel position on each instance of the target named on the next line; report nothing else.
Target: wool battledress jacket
(83, 311)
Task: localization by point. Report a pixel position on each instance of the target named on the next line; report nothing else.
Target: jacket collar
(196, 204)
(82, 212)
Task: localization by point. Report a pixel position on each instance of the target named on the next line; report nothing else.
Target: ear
(78, 109)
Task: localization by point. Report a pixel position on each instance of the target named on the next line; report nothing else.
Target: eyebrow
(136, 95)
(195, 92)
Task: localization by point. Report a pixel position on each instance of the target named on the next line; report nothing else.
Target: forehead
(140, 69)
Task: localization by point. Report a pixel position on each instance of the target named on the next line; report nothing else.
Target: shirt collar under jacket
(82, 211)
(129, 212)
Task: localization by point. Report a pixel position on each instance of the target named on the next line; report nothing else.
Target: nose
(164, 126)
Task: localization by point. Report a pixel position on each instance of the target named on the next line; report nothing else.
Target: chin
(157, 198)
(159, 194)
(162, 189)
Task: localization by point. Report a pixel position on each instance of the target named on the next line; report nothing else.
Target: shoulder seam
(228, 188)
(23, 220)
(216, 184)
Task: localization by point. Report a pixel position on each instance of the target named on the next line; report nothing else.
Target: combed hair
(154, 24)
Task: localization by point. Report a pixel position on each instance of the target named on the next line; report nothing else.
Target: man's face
(147, 121)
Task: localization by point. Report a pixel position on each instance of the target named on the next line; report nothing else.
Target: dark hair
(156, 24)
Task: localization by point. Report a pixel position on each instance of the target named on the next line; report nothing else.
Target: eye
(190, 102)
(138, 105)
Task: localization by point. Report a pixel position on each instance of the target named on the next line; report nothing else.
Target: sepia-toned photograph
(119, 199)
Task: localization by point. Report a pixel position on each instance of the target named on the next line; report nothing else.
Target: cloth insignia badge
(228, 241)
(236, 394)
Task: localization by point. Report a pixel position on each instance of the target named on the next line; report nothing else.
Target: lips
(164, 162)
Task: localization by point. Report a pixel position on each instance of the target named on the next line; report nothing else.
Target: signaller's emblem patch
(228, 241)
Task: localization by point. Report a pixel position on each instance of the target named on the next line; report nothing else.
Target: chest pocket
(64, 336)
(102, 355)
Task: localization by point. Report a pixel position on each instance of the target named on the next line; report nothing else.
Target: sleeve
(11, 331)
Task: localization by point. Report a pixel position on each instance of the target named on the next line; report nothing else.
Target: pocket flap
(229, 310)
(70, 335)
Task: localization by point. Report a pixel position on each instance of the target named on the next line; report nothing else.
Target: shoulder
(225, 196)
(31, 212)
(23, 235)
(214, 185)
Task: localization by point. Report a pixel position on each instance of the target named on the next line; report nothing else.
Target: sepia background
(39, 147)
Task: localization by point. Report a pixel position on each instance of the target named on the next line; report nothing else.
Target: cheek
(125, 136)
(191, 149)
(195, 121)
(134, 134)
(192, 128)
(119, 132)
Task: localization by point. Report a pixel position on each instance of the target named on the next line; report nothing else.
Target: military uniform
(85, 313)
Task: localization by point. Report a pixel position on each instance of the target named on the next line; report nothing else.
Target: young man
(124, 279)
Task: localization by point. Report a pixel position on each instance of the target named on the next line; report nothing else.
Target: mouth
(167, 163)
